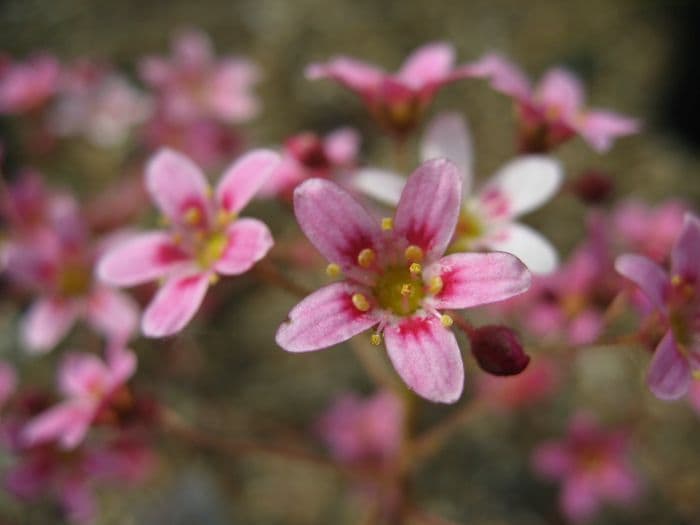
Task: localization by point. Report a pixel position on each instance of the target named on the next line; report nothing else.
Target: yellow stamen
(387, 223)
(676, 280)
(415, 268)
(192, 216)
(224, 217)
(414, 253)
(446, 320)
(696, 375)
(375, 339)
(213, 278)
(360, 302)
(333, 270)
(366, 258)
(406, 289)
(435, 285)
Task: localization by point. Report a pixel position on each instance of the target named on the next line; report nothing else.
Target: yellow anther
(415, 268)
(375, 339)
(192, 216)
(333, 270)
(676, 280)
(446, 320)
(223, 217)
(414, 253)
(366, 258)
(406, 289)
(387, 223)
(360, 302)
(435, 285)
(213, 278)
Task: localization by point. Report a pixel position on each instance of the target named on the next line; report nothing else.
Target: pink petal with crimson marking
(244, 178)
(324, 318)
(174, 305)
(426, 356)
(249, 240)
(472, 279)
(143, 258)
(429, 64)
(427, 212)
(561, 91)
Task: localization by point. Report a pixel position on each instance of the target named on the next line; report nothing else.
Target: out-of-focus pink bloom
(650, 231)
(398, 100)
(119, 204)
(396, 277)
(306, 155)
(56, 262)
(193, 84)
(676, 297)
(363, 432)
(206, 238)
(100, 105)
(554, 111)
(27, 205)
(592, 466)
(488, 218)
(535, 383)
(26, 86)
(8, 382)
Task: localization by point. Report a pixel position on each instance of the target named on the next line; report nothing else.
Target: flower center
(74, 280)
(210, 249)
(469, 228)
(400, 289)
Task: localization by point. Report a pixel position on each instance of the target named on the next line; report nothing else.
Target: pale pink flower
(306, 156)
(88, 385)
(396, 277)
(26, 86)
(677, 357)
(396, 100)
(193, 84)
(361, 431)
(205, 239)
(488, 218)
(554, 111)
(538, 381)
(593, 467)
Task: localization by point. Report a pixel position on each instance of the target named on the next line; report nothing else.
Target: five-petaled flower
(396, 101)
(677, 297)
(553, 112)
(396, 277)
(205, 238)
(487, 220)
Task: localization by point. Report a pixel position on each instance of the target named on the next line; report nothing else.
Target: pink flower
(193, 84)
(306, 155)
(488, 218)
(397, 101)
(396, 278)
(592, 466)
(363, 431)
(89, 386)
(205, 239)
(554, 111)
(677, 357)
(537, 382)
(26, 86)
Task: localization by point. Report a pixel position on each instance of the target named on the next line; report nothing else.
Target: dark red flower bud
(498, 350)
(309, 150)
(593, 187)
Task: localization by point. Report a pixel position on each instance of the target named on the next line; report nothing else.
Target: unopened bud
(498, 350)
(593, 187)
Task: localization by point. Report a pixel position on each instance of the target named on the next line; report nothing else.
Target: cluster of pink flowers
(408, 255)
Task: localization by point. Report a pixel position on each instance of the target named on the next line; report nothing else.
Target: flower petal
(67, 422)
(428, 64)
(342, 146)
(552, 460)
(384, 186)
(324, 318)
(526, 244)
(649, 276)
(669, 372)
(448, 137)
(82, 375)
(145, 257)
(472, 279)
(174, 305)
(522, 185)
(429, 207)
(47, 322)
(249, 240)
(685, 257)
(426, 356)
(242, 180)
(176, 184)
(112, 313)
(335, 222)
(601, 128)
(122, 365)
(579, 499)
(561, 91)
(505, 76)
(354, 74)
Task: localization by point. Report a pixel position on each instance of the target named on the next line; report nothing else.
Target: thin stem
(375, 366)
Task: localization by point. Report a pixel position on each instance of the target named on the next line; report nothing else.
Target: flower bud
(593, 187)
(498, 350)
